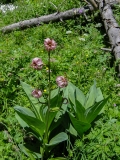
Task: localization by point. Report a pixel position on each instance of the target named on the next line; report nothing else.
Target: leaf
(99, 95)
(91, 96)
(72, 130)
(52, 115)
(33, 101)
(92, 112)
(34, 123)
(43, 111)
(31, 154)
(58, 139)
(21, 122)
(80, 96)
(79, 126)
(23, 110)
(71, 93)
(54, 93)
(57, 121)
(28, 90)
(80, 110)
(56, 101)
(75, 93)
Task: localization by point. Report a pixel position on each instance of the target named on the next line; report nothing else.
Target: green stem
(47, 118)
(48, 110)
(35, 111)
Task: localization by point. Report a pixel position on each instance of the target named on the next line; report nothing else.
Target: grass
(78, 56)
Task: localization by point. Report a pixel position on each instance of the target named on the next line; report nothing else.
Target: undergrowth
(78, 57)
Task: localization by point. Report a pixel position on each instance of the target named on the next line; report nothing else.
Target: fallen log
(55, 17)
(112, 29)
(58, 16)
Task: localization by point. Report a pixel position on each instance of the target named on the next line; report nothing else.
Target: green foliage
(86, 113)
(40, 123)
(79, 58)
(58, 139)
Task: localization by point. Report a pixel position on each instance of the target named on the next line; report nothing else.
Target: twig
(107, 49)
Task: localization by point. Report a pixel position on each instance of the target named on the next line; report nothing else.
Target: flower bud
(61, 81)
(37, 63)
(36, 93)
(50, 44)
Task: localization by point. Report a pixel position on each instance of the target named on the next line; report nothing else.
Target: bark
(112, 29)
(58, 16)
(93, 3)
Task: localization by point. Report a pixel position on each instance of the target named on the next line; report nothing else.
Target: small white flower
(117, 85)
(7, 7)
(86, 35)
(68, 32)
(81, 39)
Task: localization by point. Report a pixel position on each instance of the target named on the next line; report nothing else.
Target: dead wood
(106, 49)
(112, 29)
(58, 16)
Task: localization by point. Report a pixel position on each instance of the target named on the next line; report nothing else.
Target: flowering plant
(66, 111)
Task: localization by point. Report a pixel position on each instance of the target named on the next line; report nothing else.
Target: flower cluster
(37, 64)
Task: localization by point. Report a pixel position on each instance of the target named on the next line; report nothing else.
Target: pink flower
(61, 81)
(50, 44)
(37, 63)
(36, 93)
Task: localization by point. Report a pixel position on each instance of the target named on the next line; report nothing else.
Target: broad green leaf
(80, 110)
(55, 124)
(65, 91)
(56, 101)
(79, 126)
(43, 111)
(54, 92)
(58, 139)
(23, 110)
(91, 96)
(21, 122)
(34, 123)
(33, 101)
(59, 119)
(28, 90)
(99, 95)
(71, 94)
(58, 158)
(80, 96)
(31, 154)
(92, 112)
(75, 93)
(72, 130)
(52, 115)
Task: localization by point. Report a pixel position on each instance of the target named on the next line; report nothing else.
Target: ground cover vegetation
(77, 57)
